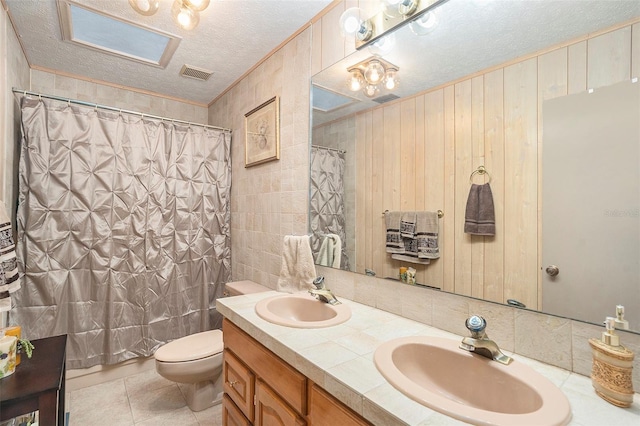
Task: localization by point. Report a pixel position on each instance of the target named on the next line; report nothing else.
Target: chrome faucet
(480, 343)
(322, 293)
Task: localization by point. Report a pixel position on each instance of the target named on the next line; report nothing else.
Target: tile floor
(143, 399)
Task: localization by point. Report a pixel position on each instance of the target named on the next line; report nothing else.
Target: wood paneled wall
(418, 154)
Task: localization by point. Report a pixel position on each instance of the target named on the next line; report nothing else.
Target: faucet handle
(476, 325)
(319, 282)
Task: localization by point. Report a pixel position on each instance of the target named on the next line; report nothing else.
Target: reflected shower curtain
(327, 199)
(123, 229)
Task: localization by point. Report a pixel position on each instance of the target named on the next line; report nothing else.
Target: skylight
(326, 100)
(110, 34)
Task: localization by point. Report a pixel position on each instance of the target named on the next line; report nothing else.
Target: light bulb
(197, 5)
(374, 72)
(145, 7)
(383, 45)
(352, 24)
(390, 79)
(371, 90)
(355, 81)
(424, 24)
(184, 16)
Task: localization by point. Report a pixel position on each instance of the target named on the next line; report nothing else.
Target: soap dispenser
(611, 374)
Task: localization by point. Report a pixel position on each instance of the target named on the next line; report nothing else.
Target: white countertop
(340, 359)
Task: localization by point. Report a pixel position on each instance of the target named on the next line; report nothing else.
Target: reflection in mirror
(471, 93)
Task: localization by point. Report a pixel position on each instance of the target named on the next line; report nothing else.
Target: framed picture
(262, 141)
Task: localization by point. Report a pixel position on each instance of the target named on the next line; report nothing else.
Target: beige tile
(450, 312)
(155, 403)
(106, 403)
(359, 342)
(360, 373)
(212, 416)
(145, 382)
(344, 393)
(328, 354)
(399, 408)
(416, 304)
(182, 416)
(543, 337)
(500, 322)
(582, 355)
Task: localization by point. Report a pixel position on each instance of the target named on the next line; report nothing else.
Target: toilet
(197, 359)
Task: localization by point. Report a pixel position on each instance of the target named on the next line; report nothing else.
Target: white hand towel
(298, 270)
(330, 253)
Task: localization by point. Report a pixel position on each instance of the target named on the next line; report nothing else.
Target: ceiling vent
(194, 72)
(385, 98)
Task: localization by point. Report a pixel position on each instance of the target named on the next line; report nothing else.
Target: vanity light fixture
(145, 7)
(185, 13)
(395, 8)
(371, 75)
(352, 23)
(424, 24)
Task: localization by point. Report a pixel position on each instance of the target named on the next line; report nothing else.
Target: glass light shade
(355, 81)
(145, 7)
(184, 16)
(390, 8)
(197, 5)
(383, 45)
(424, 24)
(391, 79)
(352, 24)
(371, 90)
(374, 72)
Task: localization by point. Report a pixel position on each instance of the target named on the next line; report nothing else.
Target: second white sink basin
(301, 310)
(437, 373)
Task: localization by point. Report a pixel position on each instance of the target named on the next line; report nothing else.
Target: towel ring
(440, 213)
(480, 171)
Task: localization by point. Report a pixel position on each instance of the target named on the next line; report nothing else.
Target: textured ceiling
(233, 35)
(473, 35)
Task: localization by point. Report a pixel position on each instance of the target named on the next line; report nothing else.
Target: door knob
(552, 270)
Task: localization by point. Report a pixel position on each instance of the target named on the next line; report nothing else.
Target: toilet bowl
(196, 360)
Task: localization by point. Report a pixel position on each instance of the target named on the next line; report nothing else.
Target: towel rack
(440, 213)
(480, 171)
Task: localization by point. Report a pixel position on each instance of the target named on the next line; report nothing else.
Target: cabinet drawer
(272, 410)
(325, 410)
(239, 383)
(290, 384)
(231, 416)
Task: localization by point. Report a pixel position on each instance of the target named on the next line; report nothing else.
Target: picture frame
(262, 133)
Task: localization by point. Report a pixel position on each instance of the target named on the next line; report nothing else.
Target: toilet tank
(236, 288)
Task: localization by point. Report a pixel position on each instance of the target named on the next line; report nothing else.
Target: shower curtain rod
(109, 108)
(341, 151)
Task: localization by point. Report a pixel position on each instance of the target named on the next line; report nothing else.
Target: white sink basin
(437, 373)
(301, 310)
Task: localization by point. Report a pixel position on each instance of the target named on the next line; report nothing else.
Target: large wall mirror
(483, 83)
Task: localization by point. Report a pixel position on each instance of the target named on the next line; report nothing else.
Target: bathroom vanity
(260, 388)
(327, 376)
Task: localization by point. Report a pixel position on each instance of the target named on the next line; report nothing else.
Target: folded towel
(427, 235)
(298, 270)
(9, 277)
(394, 239)
(410, 258)
(479, 218)
(408, 225)
(330, 253)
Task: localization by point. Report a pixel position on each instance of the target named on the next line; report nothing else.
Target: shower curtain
(123, 229)
(327, 213)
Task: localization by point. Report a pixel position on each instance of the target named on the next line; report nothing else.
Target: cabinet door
(231, 415)
(271, 410)
(239, 383)
(325, 410)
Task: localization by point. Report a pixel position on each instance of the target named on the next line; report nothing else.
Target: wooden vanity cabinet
(262, 389)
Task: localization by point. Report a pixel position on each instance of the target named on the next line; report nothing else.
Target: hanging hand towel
(9, 277)
(394, 239)
(408, 225)
(479, 218)
(330, 253)
(298, 270)
(427, 226)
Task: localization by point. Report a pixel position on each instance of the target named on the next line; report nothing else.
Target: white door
(591, 204)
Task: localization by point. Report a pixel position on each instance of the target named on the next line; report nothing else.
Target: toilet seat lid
(192, 347)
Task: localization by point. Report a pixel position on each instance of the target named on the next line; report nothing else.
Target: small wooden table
(37, 384)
